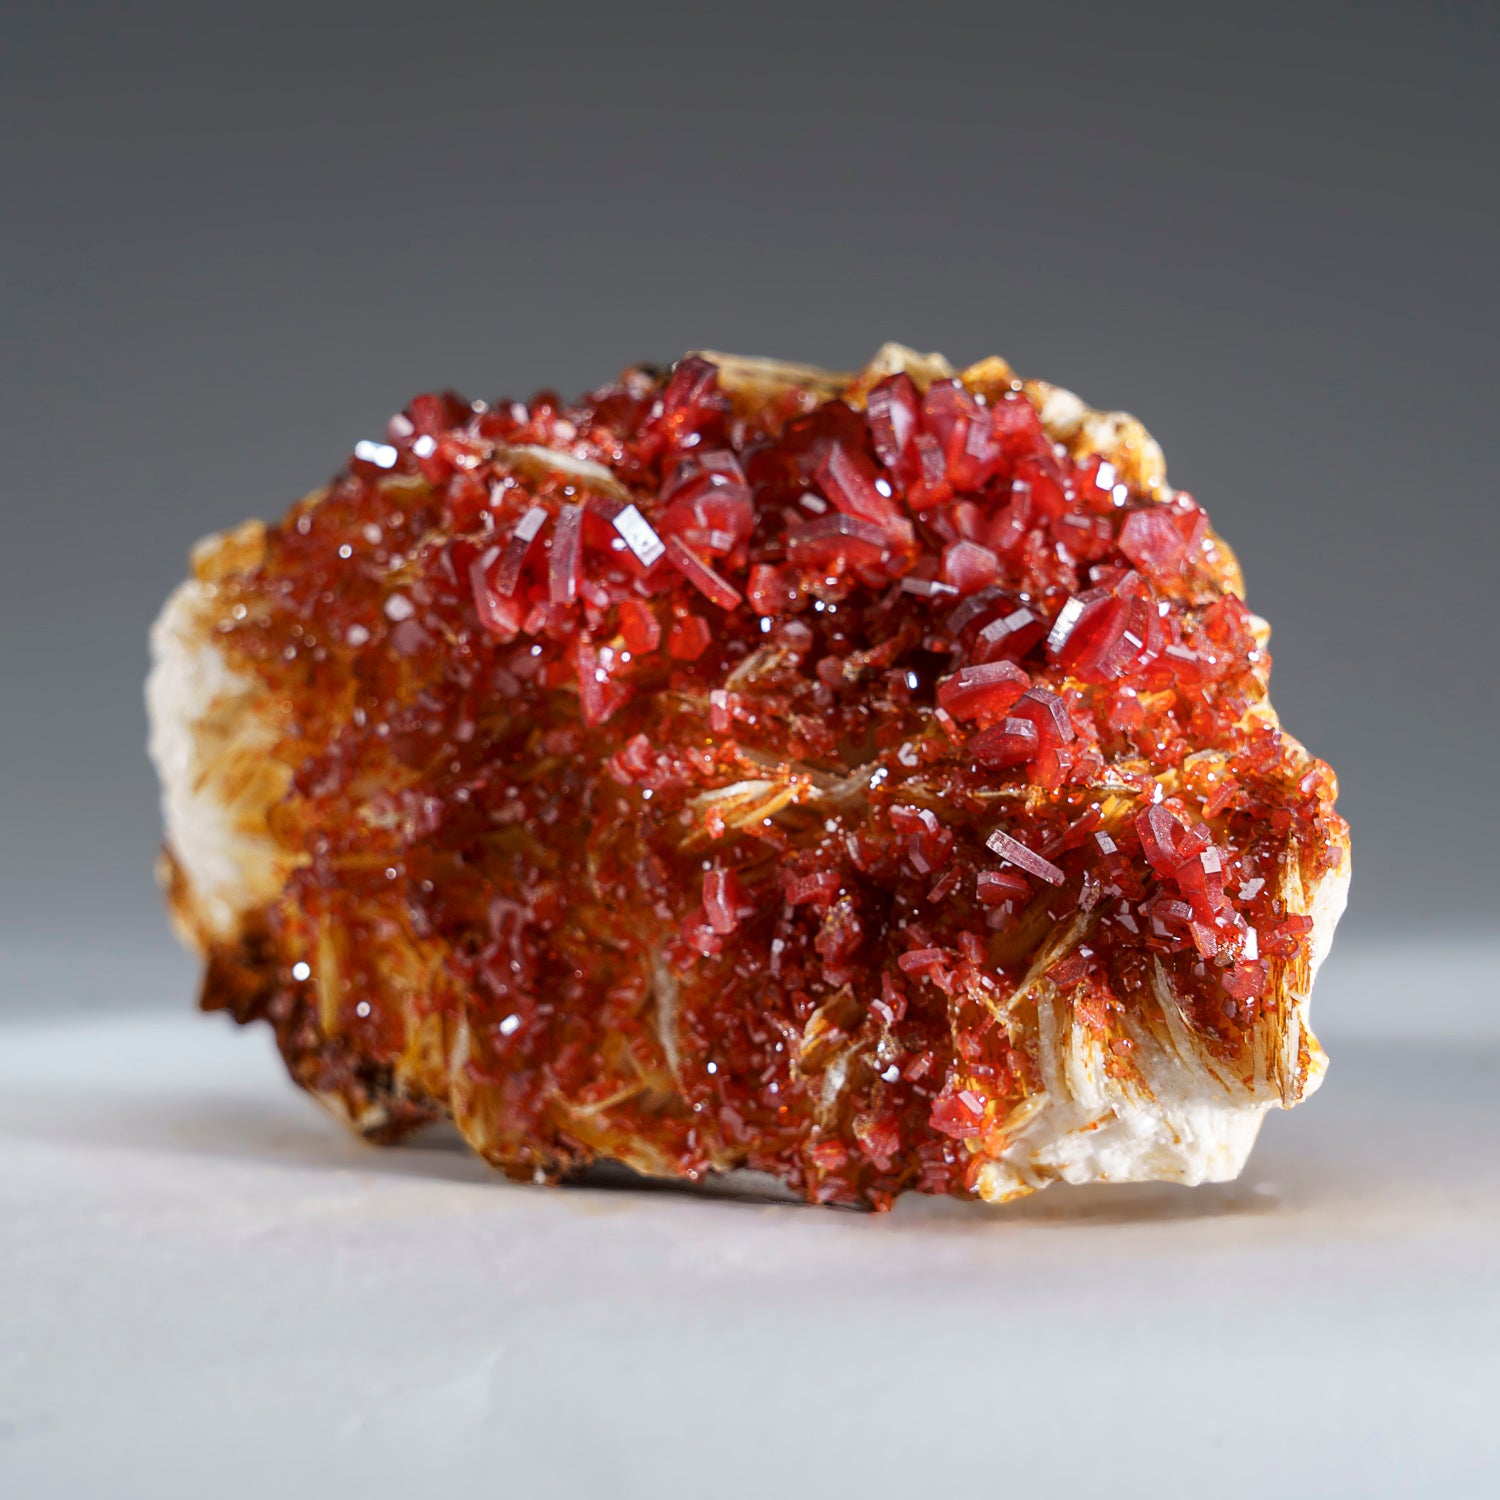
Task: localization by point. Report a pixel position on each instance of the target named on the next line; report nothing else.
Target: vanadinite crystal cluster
(864, 780)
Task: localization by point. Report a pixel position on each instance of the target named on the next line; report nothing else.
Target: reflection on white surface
(211, 1287)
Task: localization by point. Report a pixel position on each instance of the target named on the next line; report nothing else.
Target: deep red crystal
(984, 692)
(816, 720)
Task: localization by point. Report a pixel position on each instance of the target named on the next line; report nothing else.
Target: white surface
(206, 1287)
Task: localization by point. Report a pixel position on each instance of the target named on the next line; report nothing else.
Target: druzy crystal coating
(713, 771)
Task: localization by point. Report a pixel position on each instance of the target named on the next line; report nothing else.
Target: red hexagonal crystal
(700, 769)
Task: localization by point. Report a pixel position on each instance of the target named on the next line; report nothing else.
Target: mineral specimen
(863, 780)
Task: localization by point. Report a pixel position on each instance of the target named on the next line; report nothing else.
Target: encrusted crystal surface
(738, 766)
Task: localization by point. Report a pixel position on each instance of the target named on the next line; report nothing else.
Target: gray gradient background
(232, 244)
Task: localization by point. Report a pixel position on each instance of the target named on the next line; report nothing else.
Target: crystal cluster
(863, 780)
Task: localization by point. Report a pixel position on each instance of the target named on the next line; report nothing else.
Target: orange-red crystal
(819, 717)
